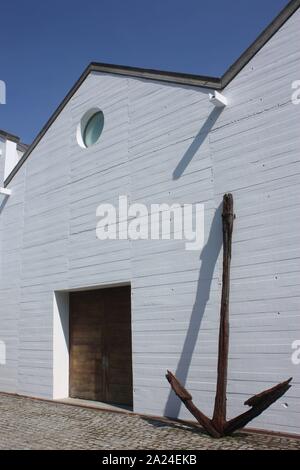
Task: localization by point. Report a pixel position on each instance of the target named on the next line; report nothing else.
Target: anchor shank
(219, 416)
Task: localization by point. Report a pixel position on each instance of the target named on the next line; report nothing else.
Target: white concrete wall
(60, 345)
(11, 157)
(166, 143)
(10, 154)
(2, 159)
(256, 154)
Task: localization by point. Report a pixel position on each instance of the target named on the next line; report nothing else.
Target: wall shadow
(197, 142)
(3, 203)
(208, 257)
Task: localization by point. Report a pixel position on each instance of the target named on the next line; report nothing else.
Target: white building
(118, 313)
(11, 151)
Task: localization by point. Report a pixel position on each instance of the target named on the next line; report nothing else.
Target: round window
(90, 128)
(93, 129)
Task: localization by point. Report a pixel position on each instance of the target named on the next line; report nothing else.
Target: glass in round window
(93, 129)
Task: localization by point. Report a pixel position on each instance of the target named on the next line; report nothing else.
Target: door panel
(118, 324)
(100, 345)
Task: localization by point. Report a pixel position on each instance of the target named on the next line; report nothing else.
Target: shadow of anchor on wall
(218, 426)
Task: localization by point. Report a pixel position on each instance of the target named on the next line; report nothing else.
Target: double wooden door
(100, 345)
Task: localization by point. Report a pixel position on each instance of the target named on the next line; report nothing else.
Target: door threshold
(95, 404)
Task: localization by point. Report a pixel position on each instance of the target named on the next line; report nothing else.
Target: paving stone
(33, 424)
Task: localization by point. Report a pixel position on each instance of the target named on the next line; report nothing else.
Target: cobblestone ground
(33, 424)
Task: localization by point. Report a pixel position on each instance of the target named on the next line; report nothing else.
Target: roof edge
(260, 42)
(47, 125)
(170, 77)
(9, 136)
(14, 138)
(22, 147)
(160, 75)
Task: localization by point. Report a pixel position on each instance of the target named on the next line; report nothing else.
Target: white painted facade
(167, 143)
(10, 153)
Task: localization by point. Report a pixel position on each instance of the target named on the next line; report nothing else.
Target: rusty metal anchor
(218, 426)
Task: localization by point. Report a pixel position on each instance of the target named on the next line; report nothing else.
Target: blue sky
(45, 45)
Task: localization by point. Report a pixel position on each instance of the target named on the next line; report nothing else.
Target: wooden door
(100, 345)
